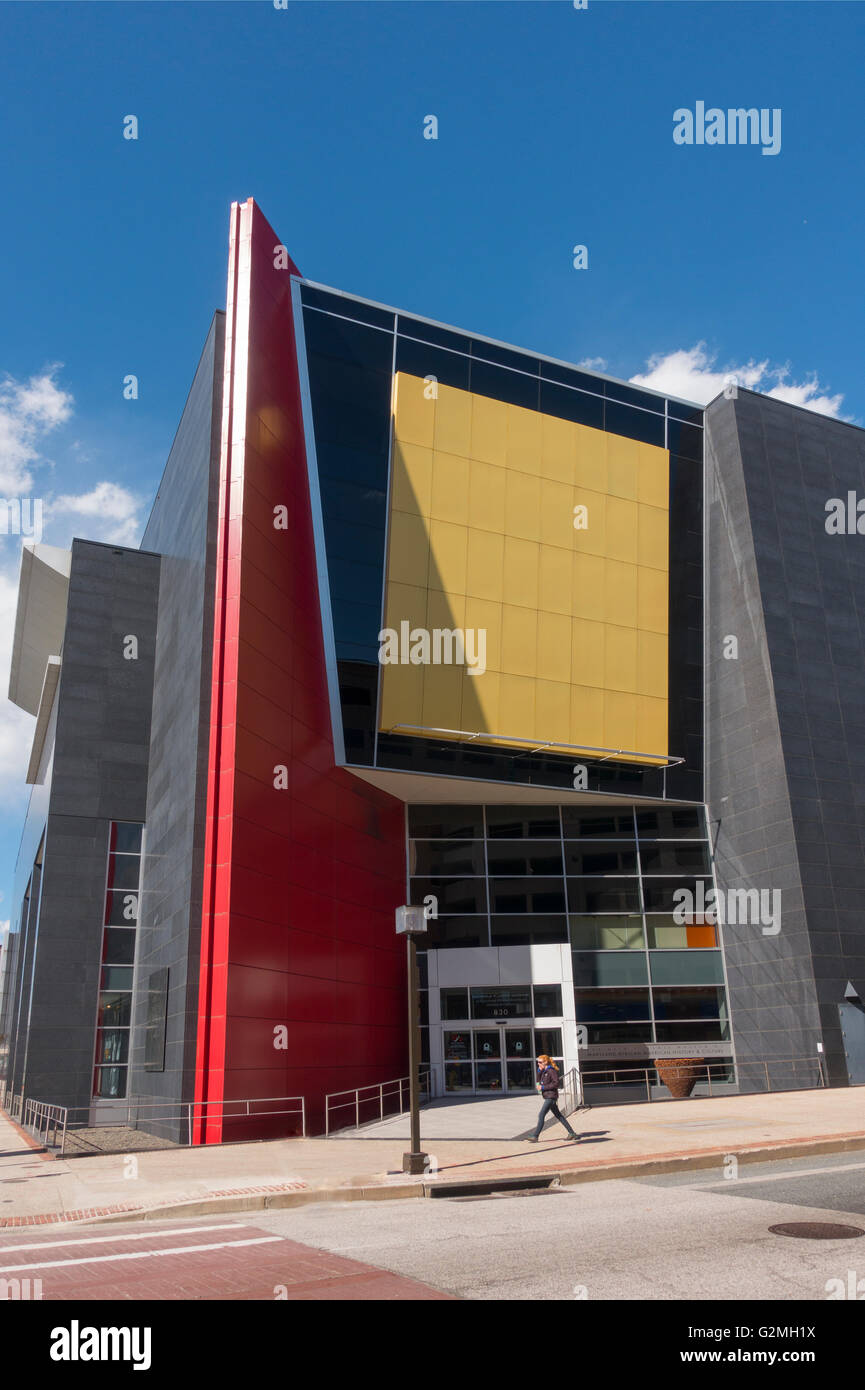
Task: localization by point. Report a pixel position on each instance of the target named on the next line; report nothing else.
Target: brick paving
(213, 1260)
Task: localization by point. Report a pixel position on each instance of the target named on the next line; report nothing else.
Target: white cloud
(110, 513)
(593, 364)
(693, 374)
(28, 410)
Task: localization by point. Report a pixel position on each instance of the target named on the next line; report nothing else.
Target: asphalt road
(693, 1236)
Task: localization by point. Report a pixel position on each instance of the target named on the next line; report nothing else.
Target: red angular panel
(302, 985)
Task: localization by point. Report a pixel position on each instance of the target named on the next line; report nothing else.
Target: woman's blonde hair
(542, 1057)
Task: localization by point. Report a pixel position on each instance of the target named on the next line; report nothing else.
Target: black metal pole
(415, 1160)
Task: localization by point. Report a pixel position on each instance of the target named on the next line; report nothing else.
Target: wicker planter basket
(680, 1074)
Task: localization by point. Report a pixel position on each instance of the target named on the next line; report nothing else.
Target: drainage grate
(493, 1187)
(514, 1192)
(816, 1230)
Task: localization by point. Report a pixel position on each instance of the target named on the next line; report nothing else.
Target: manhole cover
(816, 1230)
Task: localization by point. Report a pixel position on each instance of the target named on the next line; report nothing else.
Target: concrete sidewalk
(616, 1141)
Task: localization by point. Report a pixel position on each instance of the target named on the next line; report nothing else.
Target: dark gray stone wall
(99, 775)
(182, 528)
(785, 760)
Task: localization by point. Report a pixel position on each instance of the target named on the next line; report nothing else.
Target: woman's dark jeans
(551, 1107)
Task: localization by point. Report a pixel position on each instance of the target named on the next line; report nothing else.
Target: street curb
(566, 1177)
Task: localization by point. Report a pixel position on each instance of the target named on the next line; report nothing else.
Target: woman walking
(548, 1085)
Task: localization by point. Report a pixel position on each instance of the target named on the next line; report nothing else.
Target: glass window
(454, 1003)
(486, 1045)
(457, 1046)
(520, 857)
(453, 895)
(609, 968)
(686, 968)
(548, 1001)
(659, 894)
(123, 871)
(612, 1005)
(549, 1040)
(488, 1076)
(458, 1076)
(344, 304)
(457, 931)
(597, 825)
(671, 823)
(527, 895)
(121, 909)
(591, 895)
(666, 934)
(518, 1042)
(112, 1045)
(606, 1034)
(115, 1010)
(669, 858)
(635, 424)
(604, 933)
(423, 360)
(521, 1075)
(517, 388)
(528, 929)
(513, 1002)
(125, 837)
(688, 1003)
(600, 857)
(581, 407)
(451, 822)
(109, 1083)
(523, 822)
(118, 947)
(692, 1032)
(116, 977)
(457, 857)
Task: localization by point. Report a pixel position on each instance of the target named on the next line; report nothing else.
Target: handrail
(46, 1119)
(424, 1073)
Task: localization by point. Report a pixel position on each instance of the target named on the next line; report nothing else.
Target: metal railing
(571, 1092)
(376, 1095)
(724, 1075)
(12, 1104)
(45, 1121)
(48, 1121)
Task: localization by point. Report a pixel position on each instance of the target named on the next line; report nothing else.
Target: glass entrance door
(495, 1059)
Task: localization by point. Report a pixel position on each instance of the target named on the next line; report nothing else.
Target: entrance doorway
(495, 1059)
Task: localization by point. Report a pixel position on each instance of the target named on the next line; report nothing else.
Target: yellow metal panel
(517, 706)
(482, 538)
(654, 537)
(520, 578)
(652, 664)
(620, 658)
(408, 550)
(588, 641)
(519, 641)
(486, 496)
(590, 462)
(489, 441)
(590, 538)
(557, 514)
(485, 565)
(653, 478)
(555, 579)
(587, 717)
(620, 603)
(558, 449)
(453, 421)
(553, 710)
(653, 599)
(524, 440)
(450, 489)
(414, 414)
(447, 566)
(622, 466)
(522, 506)
(622, 530)
(554, 646)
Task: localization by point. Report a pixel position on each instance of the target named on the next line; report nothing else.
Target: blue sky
(555, 129)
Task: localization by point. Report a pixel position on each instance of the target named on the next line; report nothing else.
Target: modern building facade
(419, 617)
